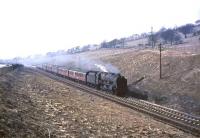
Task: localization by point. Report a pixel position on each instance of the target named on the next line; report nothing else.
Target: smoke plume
(74, 62)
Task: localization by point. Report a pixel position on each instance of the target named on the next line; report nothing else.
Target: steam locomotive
(111, 82)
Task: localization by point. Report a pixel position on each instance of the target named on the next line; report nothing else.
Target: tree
(170, 35)
(104, 44)
(186, 29)
(162, 30)
(113, 43)
(144, 35)
(153, 39)
(197, 22)
(122, 42)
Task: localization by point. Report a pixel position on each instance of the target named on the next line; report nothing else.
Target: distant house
(94, 47)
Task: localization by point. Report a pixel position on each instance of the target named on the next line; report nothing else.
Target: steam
(101, 67)
(1, 65)
(74, 61)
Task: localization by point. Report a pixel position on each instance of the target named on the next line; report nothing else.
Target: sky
(29, 27)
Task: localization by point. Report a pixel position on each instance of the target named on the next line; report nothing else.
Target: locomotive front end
(113, 82)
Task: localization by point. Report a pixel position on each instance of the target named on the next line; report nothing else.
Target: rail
(178, 119)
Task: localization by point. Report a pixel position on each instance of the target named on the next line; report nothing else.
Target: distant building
(94, 47)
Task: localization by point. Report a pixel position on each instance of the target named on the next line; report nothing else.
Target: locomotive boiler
(110, 82)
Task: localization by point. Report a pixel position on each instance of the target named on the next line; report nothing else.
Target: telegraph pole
(160, 60)
(152, 36)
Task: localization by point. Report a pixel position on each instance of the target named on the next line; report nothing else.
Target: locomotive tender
(111, 82)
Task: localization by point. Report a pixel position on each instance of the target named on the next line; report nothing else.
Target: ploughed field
(32, 105)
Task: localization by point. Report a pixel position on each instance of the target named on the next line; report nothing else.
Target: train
(114, 83)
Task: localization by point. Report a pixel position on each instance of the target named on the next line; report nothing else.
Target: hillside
(180, 86)
(33, 105)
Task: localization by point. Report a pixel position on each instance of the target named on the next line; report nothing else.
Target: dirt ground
(180, 84)
(32, 105)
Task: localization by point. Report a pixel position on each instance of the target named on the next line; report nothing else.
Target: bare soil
(32, 105)
(179, 87)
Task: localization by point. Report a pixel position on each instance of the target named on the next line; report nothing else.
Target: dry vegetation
(33, 105)
(180, 86)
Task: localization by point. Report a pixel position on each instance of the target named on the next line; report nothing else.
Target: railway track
(181, 120)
